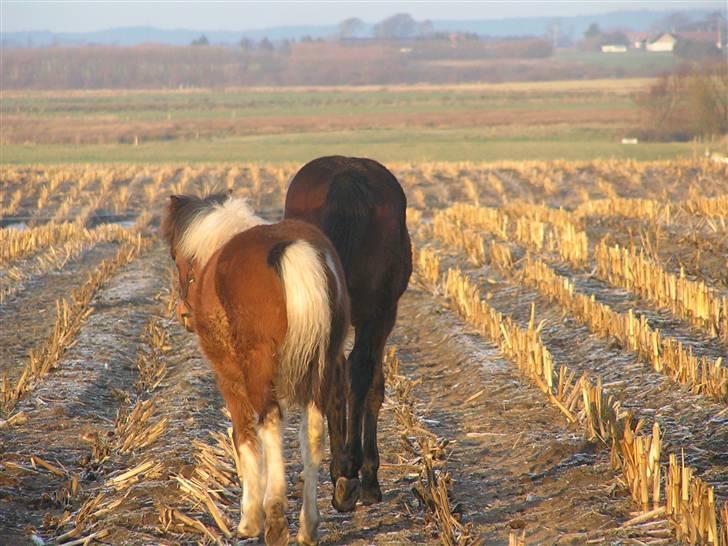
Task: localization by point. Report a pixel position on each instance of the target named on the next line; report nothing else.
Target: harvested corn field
(557, 374)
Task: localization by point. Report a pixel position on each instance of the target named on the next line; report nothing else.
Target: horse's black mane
(182, 209)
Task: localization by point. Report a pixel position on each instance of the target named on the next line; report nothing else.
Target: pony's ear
(176, 201)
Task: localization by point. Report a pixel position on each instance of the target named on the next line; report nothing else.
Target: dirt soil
(514, 461)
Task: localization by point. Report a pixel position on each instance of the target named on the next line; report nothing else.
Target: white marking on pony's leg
(275, 485)
(311, 436)
(251, 505)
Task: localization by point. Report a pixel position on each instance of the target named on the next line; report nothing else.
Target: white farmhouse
(614, 48)
(665, 42)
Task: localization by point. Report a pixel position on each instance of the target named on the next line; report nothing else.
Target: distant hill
(129, 36)
(574, 26)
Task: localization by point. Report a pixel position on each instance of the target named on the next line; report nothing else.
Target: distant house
(668, 40)
(665, 42)
(614, 48)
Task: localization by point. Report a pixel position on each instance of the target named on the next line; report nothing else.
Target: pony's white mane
(214, 226)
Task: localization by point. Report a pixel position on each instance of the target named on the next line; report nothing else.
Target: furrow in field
(601, 413)
(691, 421)
(188, 402)
(514, 463)
(71, 314)
(16, 278)
(702, 253)
(705, 309)
(74, 409)
(33, 309)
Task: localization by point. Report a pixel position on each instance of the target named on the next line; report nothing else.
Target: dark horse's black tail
(349, 205)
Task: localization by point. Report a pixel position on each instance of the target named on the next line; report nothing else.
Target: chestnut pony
(361, 207)
(269, 305)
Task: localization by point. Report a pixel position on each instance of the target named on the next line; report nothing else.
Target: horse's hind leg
(248, 460)
(311, 436)
(365, 399)
(371, 491)
(336, 416)
(274, 504)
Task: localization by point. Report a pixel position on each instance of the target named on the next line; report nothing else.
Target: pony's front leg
(311, 436)
(275, 502)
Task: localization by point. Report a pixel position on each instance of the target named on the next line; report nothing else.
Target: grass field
(385, 144)
(621, 62)
(577, 120)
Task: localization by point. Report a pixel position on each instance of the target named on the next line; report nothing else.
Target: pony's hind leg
(248, 461)
(275, 503)
(251, 505)
(311, 436)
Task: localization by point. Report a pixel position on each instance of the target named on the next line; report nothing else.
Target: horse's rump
(347, 214)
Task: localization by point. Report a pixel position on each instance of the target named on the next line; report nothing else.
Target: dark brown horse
(361, 207)
(271, 311)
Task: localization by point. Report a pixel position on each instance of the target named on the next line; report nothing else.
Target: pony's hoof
(346, 494)
(276, 527)
(304, 540)
(248, 530)
(371, 493)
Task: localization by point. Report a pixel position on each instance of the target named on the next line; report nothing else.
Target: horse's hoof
(303, 540)
(371, 493)
(346, 494)
(276, 527)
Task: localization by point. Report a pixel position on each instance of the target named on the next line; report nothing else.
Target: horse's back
(359, 204)
(309, 188)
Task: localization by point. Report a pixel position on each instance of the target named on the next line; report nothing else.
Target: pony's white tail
(309, 316)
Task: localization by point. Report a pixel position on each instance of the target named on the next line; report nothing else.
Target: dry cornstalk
(132, 430)
(433, 488)
(125, 479)
(690, 300)
(15, 245)
(55, 258)
(149, 361)
(689, 501)
(666, 355)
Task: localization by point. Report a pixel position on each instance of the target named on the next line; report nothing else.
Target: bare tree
(351, 27)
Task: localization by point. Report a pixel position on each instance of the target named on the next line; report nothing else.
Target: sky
(90, 15)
